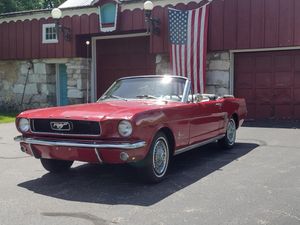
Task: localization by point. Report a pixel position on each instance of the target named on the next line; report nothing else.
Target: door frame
(57, 78)
(93, 76)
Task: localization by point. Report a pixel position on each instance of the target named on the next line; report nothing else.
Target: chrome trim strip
(182, 150)
(186, 91)
(30, 149)
(98, 156)
(128, 146)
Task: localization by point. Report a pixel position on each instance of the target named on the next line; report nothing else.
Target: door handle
(219, 104)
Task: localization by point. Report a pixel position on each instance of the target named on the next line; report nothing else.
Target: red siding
(126, 20)
(138, 19)
(233, 24)
(216, 28)
(257, 24)
(75, 32)
(94, 23)
(157, 41)
(20, 40)
(5, 41)
(229, 23)
(67, 45)
(43, 47)
(271, 23)
(36, 39)
(27, 39)
(12, 40)
(286, 22)
(297, 23)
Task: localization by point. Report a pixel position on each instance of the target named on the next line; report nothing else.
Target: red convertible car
(143, 120)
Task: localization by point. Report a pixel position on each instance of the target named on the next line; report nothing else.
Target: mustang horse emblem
(60, 126)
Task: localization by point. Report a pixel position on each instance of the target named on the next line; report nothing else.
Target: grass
(7, 117)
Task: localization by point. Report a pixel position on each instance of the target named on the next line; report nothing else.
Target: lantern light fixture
(152, 23)
(56, 14)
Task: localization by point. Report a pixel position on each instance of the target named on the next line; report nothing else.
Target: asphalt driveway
(257, 182)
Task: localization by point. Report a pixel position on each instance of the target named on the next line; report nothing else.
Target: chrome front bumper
(128, 146)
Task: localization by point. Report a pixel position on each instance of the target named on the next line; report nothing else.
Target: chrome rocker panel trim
(128, 146)
(188, 148)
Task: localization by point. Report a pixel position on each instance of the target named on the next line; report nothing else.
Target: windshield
(163, 88)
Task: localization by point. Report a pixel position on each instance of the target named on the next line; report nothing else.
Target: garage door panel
(264, 111)
(283, 112)
(245, 63)
(283, 63)
(272, 83)
(251, 108)
(247, 94)
(297, 95)
(282, 96)
(117, 58)
(283, 79)
(297, 79)
(264, 96)
(245, 80)
(263, 64)
(297, 112)
(297, 62)
(263, 80)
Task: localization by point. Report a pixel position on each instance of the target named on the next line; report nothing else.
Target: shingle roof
(76, 3)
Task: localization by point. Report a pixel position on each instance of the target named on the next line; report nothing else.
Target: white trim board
(265, 49)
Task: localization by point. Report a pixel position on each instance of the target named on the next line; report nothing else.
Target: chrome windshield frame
(187, 86)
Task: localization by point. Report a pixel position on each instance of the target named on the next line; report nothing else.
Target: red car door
(206, 121)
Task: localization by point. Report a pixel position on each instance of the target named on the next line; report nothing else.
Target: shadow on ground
(118, 184)
(291, 124)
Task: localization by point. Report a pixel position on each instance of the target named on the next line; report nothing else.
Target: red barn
(253, 52)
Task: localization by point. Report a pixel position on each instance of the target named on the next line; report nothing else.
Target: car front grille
(65, 127)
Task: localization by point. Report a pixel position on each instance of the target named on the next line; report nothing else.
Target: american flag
(188, 37)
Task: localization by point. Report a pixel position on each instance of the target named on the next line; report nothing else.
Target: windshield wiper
(146, 96)
(116, 97)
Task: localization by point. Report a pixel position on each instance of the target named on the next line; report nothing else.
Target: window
(49, 33)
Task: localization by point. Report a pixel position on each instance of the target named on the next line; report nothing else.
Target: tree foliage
(7, 6)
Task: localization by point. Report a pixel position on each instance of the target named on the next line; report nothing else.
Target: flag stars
(178, 26)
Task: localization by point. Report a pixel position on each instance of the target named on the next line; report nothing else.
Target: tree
(7, 6)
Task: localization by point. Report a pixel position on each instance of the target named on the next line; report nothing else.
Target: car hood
(98, 111)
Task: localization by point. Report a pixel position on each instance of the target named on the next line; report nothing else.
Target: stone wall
(40, 88)
(217, 71)
(77, 70)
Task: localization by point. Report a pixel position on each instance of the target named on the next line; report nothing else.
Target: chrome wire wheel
(231, 132)
(160, 157)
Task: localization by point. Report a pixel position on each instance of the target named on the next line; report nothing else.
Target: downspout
(29, 67)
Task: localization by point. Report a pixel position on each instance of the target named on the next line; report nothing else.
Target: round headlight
(24, 125)
(125, 128)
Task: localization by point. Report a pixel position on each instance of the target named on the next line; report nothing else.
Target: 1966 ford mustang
(142, 120)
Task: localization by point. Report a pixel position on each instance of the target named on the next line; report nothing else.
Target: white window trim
(45, 41)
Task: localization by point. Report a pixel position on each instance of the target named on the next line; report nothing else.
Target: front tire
(157, 161)
(228, 140)
(56, 166)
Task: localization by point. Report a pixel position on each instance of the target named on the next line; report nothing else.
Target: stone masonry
(217, 71)
(40, 90)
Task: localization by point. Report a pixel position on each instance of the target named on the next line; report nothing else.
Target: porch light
(56, 14)
(152, 23)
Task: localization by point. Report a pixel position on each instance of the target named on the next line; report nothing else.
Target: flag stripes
(188, 37)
